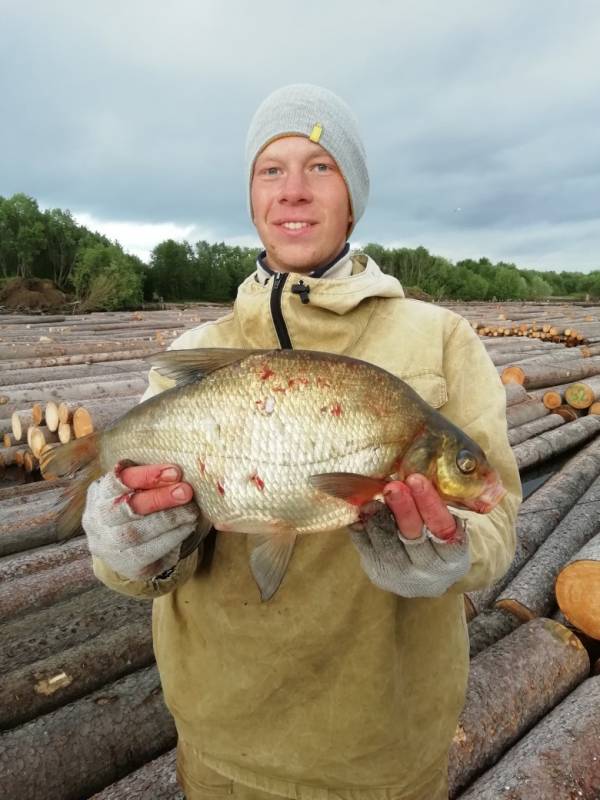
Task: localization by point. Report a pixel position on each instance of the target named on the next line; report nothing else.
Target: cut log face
(578, 589)
(556, 760)
(531, 592)
(511, 686)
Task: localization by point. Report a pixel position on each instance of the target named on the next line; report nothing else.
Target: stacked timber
(77, 659)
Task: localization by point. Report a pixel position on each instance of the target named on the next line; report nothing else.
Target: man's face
(300, 204)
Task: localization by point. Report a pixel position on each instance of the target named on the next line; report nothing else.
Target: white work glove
(423, 567)
(136, 547)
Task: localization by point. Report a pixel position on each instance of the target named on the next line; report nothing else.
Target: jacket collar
(338, 267)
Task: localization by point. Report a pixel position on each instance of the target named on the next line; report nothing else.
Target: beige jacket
(333, 685)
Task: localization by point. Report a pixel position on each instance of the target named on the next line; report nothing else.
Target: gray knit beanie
(306, 110)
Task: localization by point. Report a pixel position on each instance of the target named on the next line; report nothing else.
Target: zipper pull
(303, 290)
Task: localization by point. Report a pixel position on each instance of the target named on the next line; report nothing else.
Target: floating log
(66, 624)
(541, 512)
(527, 411)
(515, 393)
(512, 684)
(578, 589)
(43, 558)
(534, 376)
(45, 588)
(157, 780)
(556, 760)
(86, 358)
(550, 444)
(488, 627)
(530, 429)
(36, 689)
(29, 378)
(39, 438)
(102, 737)
(65, 432)
(531, 592)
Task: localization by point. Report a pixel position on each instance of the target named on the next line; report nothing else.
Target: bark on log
(530, 429)
(578, 589)
(39, 375)
(37, 349)
(29, 692)
(515, 393)
(558, 759)
(534, 376)
(68, 623)
(45, 588)
(488, 627)
(34, 530)
(86, 358)
(42, 558)
(550, 444)
(542, 512)
(531, 593)
(102, 736)
(511, 686)
(524, 412)
(156, 779)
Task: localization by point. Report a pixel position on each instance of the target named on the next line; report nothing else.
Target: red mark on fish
(336, 410)
(220, 488)
(201, 467)
(257, 481)
(322, 383)
(266, 372)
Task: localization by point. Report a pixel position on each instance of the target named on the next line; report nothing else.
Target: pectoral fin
(354, 489)
(269, 560)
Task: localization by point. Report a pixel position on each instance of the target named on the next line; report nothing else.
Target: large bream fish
(280, 443)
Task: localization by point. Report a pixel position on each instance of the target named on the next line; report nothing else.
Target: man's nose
(295, 188)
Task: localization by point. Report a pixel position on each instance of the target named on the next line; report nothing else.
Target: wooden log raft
(520, 413)
(66, 624)
(547, 445)
(578, 589)
(556, 760)
(45, 588)
(531, 592)
(534, 376)
(511, 686)
(156, 779)
(488, 627)
(528, 430)
(102, 737)
(30, 691)
(541, 512)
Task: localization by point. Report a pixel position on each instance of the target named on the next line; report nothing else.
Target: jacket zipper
(276, 313)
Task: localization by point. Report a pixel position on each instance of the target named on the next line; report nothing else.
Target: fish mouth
(492, 494)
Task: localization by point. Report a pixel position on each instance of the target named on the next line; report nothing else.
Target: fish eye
(466, 461)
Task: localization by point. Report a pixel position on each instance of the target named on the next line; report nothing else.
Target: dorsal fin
(184, 366)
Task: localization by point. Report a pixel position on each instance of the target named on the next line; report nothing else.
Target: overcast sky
(481, 120)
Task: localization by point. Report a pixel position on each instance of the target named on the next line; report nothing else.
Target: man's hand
(137, 517)
(156, 487)
(416, 504)
(411, 545)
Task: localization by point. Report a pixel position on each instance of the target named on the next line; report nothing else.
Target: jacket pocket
(429, 385)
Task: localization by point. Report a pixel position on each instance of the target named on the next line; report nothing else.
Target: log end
(513, 375)
(515, 608)
(578, 596)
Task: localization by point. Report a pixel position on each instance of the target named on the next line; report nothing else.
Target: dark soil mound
(32, 294)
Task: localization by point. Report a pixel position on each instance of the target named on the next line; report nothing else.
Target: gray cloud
(127, 111)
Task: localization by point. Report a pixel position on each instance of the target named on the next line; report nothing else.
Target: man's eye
(271, 171)
(321, 167)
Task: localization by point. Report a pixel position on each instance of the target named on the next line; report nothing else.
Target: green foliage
(51, 244)
(105, 278)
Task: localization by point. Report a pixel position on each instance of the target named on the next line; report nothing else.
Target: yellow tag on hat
(316, 132)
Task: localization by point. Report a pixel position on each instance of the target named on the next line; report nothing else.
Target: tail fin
(78, 459)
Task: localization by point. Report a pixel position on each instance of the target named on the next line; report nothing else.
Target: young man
(351, 678)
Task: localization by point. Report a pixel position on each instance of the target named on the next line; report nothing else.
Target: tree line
(51, 244)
